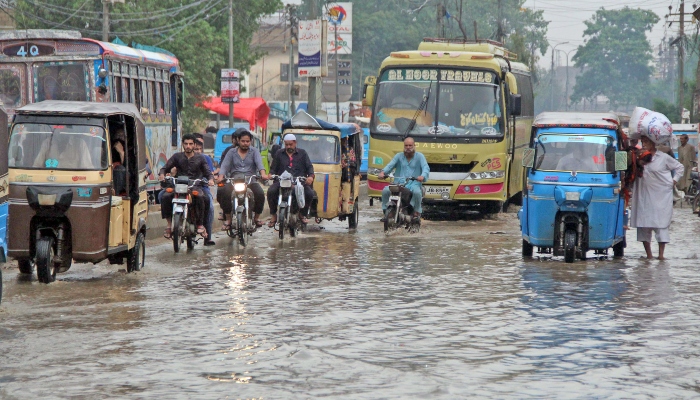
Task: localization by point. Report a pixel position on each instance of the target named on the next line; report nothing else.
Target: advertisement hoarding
(230, 86)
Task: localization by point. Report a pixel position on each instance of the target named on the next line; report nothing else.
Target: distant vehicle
(364, 124)
(224, 139)
(689, 129)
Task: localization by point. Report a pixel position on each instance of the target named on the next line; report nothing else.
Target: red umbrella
(251, 109)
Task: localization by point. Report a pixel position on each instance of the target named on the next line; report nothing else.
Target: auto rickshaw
(335, 151)
(3, 191)
(224, 138)
(77, 177)
(572, 195)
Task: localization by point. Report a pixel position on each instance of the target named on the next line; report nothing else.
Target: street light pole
(567, 77)
(551, 81)
(230, 56)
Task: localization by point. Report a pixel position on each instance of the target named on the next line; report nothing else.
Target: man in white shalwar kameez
(652, 198)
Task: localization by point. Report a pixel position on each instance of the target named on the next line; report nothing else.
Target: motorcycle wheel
(354, 218)
(175, 232)
(389, 218)
(696, 204)
(137, 255)
(569, 245)
(241, 220)
(527, 249)
(280, 222)
(45, 268)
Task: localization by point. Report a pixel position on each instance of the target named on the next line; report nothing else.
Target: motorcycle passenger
(209, 218)
(245, 159)
(296, 161)
(194, 166)
(408, 164)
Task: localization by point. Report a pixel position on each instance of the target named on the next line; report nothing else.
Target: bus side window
(152, 92)
(166, 98)
(144, 94)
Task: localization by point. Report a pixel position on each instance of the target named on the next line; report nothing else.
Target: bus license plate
(436, 190)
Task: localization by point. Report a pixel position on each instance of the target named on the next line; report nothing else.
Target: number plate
(183, 201)
(573, 196)
(436, 190)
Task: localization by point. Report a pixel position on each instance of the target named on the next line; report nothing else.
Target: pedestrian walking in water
(652, 196)
(686, 156)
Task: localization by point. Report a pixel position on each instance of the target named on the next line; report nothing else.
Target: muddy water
(453, 311)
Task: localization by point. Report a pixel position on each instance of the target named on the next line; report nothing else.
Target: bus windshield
(448, 108)
(58, 147)
(580, 153)
(65, 81)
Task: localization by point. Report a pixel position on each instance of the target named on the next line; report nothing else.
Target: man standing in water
(409, 164)
(686, 156)
(652, 198)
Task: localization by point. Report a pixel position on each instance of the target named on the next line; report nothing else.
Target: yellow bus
(469, 107)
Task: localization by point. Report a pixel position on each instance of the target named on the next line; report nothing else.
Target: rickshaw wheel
(137, 255)
(45, 268)
(242, 229)
(569, 245)
(619, 249)
(25, 266)
(175, 232)
(527, 249)
(354, 218)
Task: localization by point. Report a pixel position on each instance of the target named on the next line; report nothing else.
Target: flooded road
(453, 311)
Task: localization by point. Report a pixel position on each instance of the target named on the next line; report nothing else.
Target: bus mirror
(368, 91)
(516, 107)
(528, 158)
(620, 160)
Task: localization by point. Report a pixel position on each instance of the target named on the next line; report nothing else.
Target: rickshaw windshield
(58, 147)
(580, 153)
(322, 149)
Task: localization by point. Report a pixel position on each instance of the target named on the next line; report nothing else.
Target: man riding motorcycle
(245, 159)
(194, 166)
(296, 161)
(408, 164)
(209, 217)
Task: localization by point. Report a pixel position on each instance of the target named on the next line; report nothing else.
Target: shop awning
(251, 109)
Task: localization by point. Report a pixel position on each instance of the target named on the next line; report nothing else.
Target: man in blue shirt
(409, 164)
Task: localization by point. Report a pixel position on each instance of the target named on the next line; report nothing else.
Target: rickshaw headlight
(181, 188)
(46, 199)
(239, 187)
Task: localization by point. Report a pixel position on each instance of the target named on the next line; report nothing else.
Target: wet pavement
(453, 311)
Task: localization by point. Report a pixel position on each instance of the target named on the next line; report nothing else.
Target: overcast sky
(566, 20)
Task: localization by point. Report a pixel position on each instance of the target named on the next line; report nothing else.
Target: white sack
(651, 124)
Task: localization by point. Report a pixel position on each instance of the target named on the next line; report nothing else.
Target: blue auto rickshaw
(4, 188)
(224, 140)
(572, 200)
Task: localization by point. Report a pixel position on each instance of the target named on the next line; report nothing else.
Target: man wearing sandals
(245, 160)
(194, 166)
(297, 162)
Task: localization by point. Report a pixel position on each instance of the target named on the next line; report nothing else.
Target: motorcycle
(243, 225)
(399, 212)
(184, 226)
(288, 211)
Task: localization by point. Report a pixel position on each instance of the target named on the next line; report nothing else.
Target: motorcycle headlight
(181, 188)
(239, 187)
(286, 183)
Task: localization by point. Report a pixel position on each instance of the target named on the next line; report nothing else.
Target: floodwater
(451, 312)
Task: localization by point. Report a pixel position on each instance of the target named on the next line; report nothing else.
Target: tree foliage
(616, 56)
(196, 31)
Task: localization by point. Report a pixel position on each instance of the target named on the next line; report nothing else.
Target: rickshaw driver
(577, 160)
(246, 159)
(408, 164)
(194, 166)
(298, 163)
(70, 152)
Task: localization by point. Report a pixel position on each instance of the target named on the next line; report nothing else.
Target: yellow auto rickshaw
(77, 173)
(336, 153)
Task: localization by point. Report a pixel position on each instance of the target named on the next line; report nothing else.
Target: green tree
(196, 31)
(616, 56)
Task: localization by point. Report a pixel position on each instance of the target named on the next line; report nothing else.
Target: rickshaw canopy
(81, 108)
(576, 120)
(302, 120)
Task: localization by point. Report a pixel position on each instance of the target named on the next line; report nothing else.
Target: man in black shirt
(194, 166)
(297, 163)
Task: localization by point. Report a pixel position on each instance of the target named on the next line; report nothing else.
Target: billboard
(339, 16)
(312, 55)
(230, 86)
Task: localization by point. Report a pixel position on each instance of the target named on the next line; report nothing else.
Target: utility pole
(105, 18)
(681, 61)
(292, 104)
(551, 81)
(230, 55)
(314, 86)
(337, 67)
(500, 34)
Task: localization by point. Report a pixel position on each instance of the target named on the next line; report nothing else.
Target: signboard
(230, 86)
(312, 52)
(339, 16)
(344, 81)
